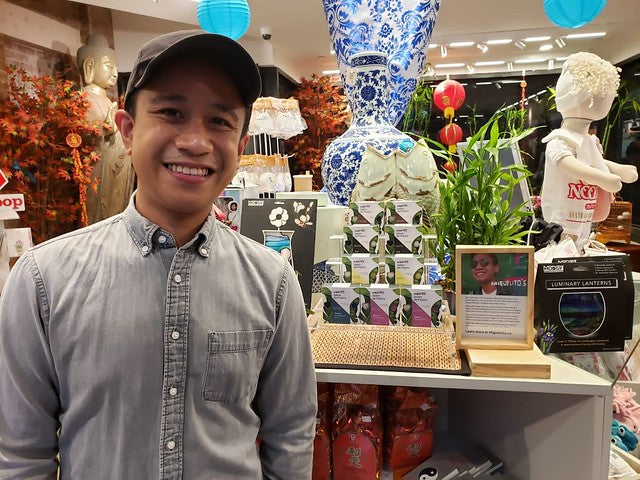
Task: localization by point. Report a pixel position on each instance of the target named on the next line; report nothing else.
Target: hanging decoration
(74, 141)
(448, 96)
(573, 13)
(523, 92)
(225, 17)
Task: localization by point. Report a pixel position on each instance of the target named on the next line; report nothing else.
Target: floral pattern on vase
(373, 160)
(399, 28)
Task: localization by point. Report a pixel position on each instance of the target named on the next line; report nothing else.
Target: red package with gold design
(409, 427)
(357, 433)
(322, 442)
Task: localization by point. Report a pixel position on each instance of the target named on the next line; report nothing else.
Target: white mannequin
(578, 182)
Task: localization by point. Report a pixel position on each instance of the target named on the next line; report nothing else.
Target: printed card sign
(12, 201)
(287, 226)
(587, 305)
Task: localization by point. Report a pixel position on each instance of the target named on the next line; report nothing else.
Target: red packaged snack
(322, 442)
(409, 427)
(357, 433)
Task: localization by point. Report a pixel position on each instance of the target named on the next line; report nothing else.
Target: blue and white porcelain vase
(373, 160)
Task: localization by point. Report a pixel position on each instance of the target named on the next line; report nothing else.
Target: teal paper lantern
(224, 17)
(573, 13)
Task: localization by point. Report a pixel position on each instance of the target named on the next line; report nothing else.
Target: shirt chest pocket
(234, 360)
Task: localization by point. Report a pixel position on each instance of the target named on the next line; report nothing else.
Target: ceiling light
(510, 81)
(541, 92)
(443, 51)
(546, 47)
(530, 60)
(499, 41)
(489, 62)
(433, 45)
(461, 44)
(586, 35)
(470, 69)
(482, 47)
(550, 64)
(520, 44)
(449, 65)
(330, 72)
(560, 42)
(561, 59)
(498, 86)
(543, 38)
(483, 83)
(509, 66)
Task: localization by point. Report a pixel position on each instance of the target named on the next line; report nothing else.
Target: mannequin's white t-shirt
(567, 200)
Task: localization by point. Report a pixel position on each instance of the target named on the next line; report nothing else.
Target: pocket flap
(239, 341)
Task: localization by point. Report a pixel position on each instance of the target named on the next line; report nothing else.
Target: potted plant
(475, 199)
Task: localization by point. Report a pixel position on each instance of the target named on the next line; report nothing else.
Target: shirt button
(144, 248)
(173, 391)
(171, 445)
(204, 252)
(175, 335)
(177, 278)
(162, 239)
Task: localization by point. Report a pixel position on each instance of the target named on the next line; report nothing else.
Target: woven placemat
(415, 349)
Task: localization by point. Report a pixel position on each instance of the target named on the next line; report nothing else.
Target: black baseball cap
(226, 53)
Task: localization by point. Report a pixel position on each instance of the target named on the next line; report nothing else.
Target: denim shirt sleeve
(29, 403)
(286, 397)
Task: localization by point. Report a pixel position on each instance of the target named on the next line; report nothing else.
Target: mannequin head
(97, 62)
(586, 87)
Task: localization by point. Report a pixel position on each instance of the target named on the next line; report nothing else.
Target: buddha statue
(114, 172)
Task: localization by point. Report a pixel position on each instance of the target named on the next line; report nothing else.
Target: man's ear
(242, 145)
(87, 70)
(124, 122)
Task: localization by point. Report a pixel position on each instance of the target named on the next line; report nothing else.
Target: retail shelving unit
(543, 429)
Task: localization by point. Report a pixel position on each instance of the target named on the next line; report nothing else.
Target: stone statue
(114, 172)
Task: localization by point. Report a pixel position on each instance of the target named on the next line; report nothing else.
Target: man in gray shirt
(160, 344)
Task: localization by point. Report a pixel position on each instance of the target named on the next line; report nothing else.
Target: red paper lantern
(448, 97)
(450, 135)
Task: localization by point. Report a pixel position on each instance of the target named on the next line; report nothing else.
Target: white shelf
(542, 429)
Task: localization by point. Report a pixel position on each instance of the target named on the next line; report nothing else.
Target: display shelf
(541, 429)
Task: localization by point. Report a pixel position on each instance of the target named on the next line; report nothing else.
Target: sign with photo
(287, 226)
(494, 296)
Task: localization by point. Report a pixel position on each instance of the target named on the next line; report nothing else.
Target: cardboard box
(344, 303)
(390, 305)
(403, 239)
(586, 307)
(361, 268)
(409, 269)
(361, 239)
(426, 301)
(402, 212)
(366, 212)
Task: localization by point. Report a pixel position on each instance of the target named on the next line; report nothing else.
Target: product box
(360, 268)
(361, 239)
(344, 303)
(390, 305)
(403, 239)
(426, 301)
(586, 305)
(409, 269)
(402, 211)
(365, 212)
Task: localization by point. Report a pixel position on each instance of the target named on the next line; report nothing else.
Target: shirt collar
(142, 231)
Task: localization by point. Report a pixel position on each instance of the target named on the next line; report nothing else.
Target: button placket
(175, 354)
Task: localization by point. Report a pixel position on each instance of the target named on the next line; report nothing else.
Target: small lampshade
(573, 13)
(224, 17)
